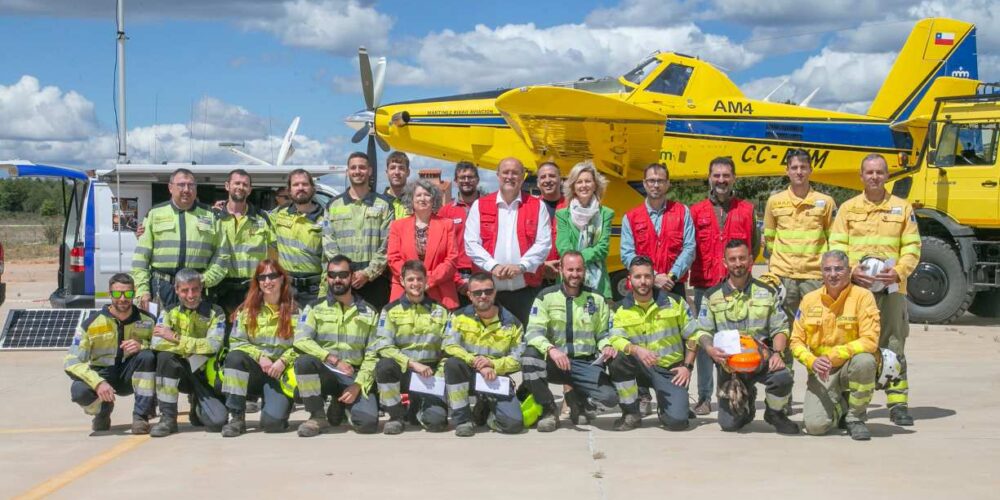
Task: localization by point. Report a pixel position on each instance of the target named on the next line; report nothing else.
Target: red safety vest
(527, 227)
(664, 248)
(708, 268)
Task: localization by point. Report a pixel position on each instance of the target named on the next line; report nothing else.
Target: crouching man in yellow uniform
(835, 335)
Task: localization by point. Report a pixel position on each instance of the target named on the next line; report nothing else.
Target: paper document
(427, 385)
(600, 359)
(499, 385)
(728, 341)
(153, 309)
(197, 361)
(893, 288)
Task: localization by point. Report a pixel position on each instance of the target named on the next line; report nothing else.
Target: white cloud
(29, 111)
(516, 54)
(848, 81)
(645, 13)
(45, 124)
(336, 26)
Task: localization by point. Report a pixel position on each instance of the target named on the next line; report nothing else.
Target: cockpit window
(671, 81)
(641, 71)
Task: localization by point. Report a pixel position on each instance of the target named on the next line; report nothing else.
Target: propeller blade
(361, 133)
(372, 160)
(286, 144)
(366, 77)
(381, 143)
(379, 81)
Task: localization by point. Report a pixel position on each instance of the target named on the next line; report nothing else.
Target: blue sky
(201, 72)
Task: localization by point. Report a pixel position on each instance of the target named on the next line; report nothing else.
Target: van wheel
(618, 281)
(938, 289)
(986, 304)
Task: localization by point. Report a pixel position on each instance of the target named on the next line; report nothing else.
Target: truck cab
(105, 207)
(955, 189)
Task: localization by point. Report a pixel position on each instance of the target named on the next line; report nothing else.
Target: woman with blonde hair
(584, 225)
(261, 358)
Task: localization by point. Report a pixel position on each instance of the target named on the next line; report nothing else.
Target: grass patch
(31, 251)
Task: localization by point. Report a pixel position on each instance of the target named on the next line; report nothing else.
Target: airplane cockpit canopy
(672, 80)
(640, 72)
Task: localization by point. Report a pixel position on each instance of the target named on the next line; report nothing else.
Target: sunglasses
(268, 277)
(117, 294)
(482, 293)
(342, 275)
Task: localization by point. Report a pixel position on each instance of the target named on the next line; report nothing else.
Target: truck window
(964, 144)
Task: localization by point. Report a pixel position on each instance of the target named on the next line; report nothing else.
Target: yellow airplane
(677, 110)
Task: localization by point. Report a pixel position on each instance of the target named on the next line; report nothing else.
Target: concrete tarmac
(47, 449)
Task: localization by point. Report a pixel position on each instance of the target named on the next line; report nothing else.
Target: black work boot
(237, 424)
(780, 422)
(102, 421)
(193, 414)
(165, 427)
(578, 408)
(900, 415)
(335, 413)
(628, 421)
(549, 421)
(858, 431)
(315, 426)
(140, 425)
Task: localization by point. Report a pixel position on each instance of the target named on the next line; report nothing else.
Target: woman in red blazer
(428, 238)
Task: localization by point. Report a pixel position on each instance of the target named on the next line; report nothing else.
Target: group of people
(373, 298)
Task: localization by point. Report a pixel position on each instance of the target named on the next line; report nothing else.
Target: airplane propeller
(372, 84)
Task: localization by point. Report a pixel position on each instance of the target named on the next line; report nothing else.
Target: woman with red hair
(261, 357)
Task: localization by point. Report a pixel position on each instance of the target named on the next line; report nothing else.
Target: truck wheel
(618, 281)
(986, 304)
(938, 289)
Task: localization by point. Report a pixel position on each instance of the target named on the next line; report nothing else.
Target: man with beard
(397, 171)
(508, 234)
(298, 229)
(650, 332)
(110, 355)
(358, 228)
(717, 220)
(749, 306)
(179, 233)
(482, 338)
(251, 239)
(568, 343)
(467, 180)
(337, 338)
(549, 183)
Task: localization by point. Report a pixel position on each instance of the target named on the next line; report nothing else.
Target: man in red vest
(508, 235)
(467, 180)
(719, 218)
(661, 230)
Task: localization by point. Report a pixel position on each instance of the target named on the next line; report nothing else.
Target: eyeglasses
(655, 181)
(117, 294)
(482, 293)
(268, 277)
(343, 275)
(185, 186)
(467, 178)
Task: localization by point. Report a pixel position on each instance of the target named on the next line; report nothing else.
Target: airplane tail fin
(936, 47)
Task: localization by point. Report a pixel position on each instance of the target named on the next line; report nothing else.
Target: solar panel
(40, 328)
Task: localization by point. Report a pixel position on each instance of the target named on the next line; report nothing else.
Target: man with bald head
(508, 235)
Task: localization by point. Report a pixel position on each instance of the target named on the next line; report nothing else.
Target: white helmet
(872, 266)
(889, 368)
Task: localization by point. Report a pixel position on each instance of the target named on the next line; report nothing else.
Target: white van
(98, 242)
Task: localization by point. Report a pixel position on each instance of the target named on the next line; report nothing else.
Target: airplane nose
(359, 119)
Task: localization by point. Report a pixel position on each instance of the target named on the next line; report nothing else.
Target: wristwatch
(689, 366)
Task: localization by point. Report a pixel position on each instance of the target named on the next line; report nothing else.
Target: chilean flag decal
(943, 38)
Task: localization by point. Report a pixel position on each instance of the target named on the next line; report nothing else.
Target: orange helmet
(747, 361)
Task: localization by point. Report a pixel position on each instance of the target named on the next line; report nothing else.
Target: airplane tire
(938, 289)
(618, 285)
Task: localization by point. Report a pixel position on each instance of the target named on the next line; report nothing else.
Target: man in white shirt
(508, 235)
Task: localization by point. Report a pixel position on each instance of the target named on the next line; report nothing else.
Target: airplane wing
(574, 125)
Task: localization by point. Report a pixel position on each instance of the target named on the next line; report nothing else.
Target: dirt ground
(47, 449)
